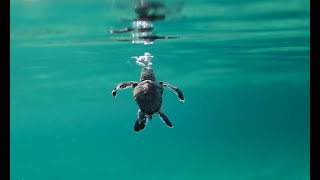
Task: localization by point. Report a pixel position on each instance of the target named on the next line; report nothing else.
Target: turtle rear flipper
(139, 125)
(165, 119)
(141, 122)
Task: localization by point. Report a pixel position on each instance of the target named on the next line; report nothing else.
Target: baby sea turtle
(148, 95)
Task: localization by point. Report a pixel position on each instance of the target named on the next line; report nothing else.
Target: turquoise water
(243, 67)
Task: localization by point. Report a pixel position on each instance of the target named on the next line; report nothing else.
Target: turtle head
(147, 74)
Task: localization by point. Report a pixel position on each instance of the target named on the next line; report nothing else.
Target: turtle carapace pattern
(148, 95)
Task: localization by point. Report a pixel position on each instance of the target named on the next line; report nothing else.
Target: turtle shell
(148, 95)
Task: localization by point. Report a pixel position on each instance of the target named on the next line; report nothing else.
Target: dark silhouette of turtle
(148, 95)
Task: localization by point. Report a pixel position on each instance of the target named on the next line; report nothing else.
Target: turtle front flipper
(123, 85)
(165, 119)
(141, 122)
(175, 89)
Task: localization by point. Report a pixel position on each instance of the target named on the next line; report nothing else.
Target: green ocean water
(243, 67)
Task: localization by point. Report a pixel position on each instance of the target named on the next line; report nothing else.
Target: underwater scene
(159, 90)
